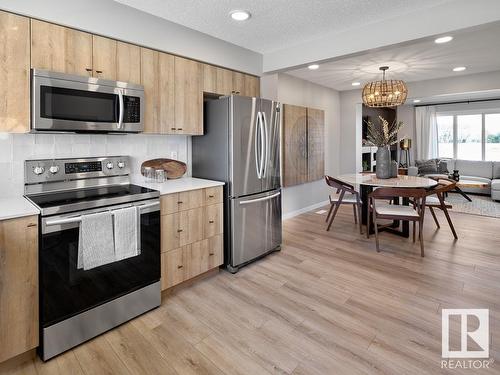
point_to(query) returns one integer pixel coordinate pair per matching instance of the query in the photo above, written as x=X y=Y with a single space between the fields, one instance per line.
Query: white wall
x=109 y=18
x=443 y=89
x=15 y=148
x=291 y=90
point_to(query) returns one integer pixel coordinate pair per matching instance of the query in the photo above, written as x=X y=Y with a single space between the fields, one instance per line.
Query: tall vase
x=383 y=162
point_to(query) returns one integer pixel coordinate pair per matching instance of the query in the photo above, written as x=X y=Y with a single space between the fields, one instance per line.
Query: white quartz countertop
x=177 y=185
x=10 y=208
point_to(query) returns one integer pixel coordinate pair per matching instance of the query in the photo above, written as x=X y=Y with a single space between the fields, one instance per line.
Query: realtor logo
x=480 y=336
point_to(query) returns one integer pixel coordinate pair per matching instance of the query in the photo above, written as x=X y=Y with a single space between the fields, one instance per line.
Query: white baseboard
x=289 y=215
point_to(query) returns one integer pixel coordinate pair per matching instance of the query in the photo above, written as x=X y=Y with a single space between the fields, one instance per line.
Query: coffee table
x=469 y=184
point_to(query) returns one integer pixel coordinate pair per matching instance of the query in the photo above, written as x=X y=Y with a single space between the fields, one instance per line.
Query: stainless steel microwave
x=72 y=103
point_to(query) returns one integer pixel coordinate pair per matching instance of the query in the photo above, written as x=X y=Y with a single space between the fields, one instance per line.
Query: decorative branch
x=383 y=134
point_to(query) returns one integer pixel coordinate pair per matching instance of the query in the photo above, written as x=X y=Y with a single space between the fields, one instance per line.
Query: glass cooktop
x=72 y=200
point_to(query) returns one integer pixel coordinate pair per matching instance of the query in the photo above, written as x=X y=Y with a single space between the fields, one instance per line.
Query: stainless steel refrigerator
x=241 y=146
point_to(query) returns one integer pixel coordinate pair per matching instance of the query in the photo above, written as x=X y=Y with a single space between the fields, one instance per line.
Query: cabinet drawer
x=173 y=267
x=186 y=200
x=212 y=195
x=204 y=255
x=213 y=221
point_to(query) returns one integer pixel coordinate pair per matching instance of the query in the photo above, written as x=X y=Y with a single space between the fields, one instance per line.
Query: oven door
x=66 y=291
x=80 y=104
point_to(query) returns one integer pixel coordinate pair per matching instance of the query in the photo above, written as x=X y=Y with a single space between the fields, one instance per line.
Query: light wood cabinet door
x=246 y=85
x=224 y=81
x=157 y=77
x=188 y=97
x=18 y=286
x=15 y=73
x=215 y=251
x=174 y=267
x=170 y=232
x=150 y=67
x=169 y=203
x=191 y=226
x=213 y=217
x=210 y=79
x=294 y=145
x=128 y=63
x=60 y=49
x=213 y=195
x=315 y=144
x=204 y=255
x=104 y=57
x=166 y=102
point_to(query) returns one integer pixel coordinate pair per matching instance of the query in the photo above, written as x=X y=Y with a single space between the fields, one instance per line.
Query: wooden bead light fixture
x=385 y=93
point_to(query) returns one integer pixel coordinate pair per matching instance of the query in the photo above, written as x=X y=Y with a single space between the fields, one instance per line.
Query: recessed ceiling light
x=459 y=69
x=416 y=100
x=356 y=83
x=443 y=39
x=313 y=66
x=240 y=15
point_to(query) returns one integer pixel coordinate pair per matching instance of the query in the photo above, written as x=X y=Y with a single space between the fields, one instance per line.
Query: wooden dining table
x=368 y=181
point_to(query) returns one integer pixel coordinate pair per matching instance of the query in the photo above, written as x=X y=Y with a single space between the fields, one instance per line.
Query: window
x=473 y=136
x=492 y=129
x=469 y=131
x=445 y=136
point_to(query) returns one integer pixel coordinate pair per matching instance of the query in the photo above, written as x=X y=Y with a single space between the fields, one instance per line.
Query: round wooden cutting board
x=173 y=168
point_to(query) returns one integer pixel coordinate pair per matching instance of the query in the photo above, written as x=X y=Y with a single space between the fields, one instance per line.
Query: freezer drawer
x=255 y=226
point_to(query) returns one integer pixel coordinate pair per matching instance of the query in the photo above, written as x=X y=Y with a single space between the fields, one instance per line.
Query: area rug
x=480 y=205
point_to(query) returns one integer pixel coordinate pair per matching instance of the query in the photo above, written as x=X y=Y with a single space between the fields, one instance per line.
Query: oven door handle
x=77 y=219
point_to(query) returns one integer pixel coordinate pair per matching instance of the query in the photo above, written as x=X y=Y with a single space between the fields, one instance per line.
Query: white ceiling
x=476 y=49
x=277 y=24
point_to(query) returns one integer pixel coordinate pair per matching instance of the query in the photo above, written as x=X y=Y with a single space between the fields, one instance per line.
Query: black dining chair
x=345 y=194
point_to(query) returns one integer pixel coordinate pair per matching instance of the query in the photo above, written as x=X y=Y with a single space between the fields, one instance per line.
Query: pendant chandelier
x=390 y=93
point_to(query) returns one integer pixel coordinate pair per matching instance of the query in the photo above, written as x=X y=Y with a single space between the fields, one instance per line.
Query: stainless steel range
x=77 y=304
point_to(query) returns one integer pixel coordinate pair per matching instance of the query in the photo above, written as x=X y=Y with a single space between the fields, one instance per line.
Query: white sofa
x=484 y=171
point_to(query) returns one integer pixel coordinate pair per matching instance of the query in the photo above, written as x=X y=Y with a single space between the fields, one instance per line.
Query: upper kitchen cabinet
x=103 y=57
x=60 y=49
x=128 y=63
x=157 y=77
x=217 y=80
x=188 y=79
x=246 y=85
x=14 y=73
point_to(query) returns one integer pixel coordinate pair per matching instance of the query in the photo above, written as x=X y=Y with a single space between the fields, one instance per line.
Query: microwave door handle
x=120 y=114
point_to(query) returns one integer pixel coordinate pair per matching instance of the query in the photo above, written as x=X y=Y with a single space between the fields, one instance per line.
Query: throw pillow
x=426 y=166
x=442 y=167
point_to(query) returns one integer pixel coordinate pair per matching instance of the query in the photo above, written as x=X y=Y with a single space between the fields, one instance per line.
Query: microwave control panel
x=132 y=112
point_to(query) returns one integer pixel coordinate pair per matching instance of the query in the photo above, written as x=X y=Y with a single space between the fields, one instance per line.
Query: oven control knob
x=54 y=169
x=121 y=164
x=109 y=165
x=38 y=170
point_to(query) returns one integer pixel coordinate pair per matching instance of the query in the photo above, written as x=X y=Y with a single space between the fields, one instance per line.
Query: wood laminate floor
x=326 y=304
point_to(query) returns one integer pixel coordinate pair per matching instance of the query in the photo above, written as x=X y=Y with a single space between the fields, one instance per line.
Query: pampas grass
x=383 y=134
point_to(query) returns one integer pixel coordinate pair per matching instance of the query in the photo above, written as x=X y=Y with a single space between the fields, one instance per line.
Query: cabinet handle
x=210 y=254
x=179 y=267
x=179 y=230
x=211 y=221
x=31 y=225
x=179 y=128
x=172 y=128
x=180 y=202
x=89 y=71
x=211 y=196
x=98 y=71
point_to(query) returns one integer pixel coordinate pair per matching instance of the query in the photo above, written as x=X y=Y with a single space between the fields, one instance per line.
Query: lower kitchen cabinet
x=191 y=239
x=18 y=286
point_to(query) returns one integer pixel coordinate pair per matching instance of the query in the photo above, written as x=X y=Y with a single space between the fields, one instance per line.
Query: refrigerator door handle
x=262 y=144
x=266 y=136
x=258 y=130
x=261 y=199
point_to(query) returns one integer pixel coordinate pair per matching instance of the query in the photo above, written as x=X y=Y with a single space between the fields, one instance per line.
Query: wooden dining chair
x=436 y=199
x=345 y=194
x=379 y=209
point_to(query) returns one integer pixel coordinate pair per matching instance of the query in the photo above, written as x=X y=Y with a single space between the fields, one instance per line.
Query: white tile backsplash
x=16 y=148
